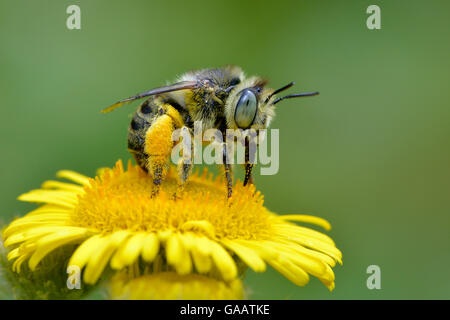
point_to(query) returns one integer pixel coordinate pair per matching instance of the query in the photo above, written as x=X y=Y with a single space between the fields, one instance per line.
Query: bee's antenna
x=296 y=95
x=279 y=90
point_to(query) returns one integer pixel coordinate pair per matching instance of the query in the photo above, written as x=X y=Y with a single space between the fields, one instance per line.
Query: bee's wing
x=183 y=85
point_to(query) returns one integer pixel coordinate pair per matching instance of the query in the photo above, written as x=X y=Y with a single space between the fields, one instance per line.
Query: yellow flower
x=172 y=286
x=116 y=222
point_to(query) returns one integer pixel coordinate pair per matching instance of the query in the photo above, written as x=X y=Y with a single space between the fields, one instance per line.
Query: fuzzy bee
x=220 y=98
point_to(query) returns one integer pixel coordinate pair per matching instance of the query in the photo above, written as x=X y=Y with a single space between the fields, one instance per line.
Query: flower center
x=121 y=200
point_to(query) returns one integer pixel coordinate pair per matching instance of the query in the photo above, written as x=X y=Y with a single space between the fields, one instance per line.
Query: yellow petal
x=48 y=208
x=23 y=224
x=185 y=266
x=329 y=285
x=202 y=244
x=310 y=265
x=35 y=233
x=287 y=230
x=100 y=257
x=247 y=255
x=84 y=251
x=27 y=248
x=18 y=263
x=202 y=262
x=177 y=255
x=74 y=176
x=200 y=256
x=263 y=251
x=223 y=261
x=52 y=241
x=318 y=245
x=201 y=225
x=61 y=198
x=128 y=252
x=50 y=184
x=308 y=219
x=150 y=247
x=294 y=273
x=173 y=250
x=312 y=253
x=13 y=254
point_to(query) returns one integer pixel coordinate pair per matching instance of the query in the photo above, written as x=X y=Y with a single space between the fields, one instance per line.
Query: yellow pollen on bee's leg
x=158 y=147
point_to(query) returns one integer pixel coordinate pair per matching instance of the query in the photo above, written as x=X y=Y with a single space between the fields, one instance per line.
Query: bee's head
x=251 y=105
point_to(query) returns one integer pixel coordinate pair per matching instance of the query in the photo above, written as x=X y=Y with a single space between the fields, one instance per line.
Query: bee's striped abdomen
x=142 y=120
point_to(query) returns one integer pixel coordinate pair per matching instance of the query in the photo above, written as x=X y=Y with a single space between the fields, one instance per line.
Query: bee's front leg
x=248 y=174
x=250 y=152
x=186 y=161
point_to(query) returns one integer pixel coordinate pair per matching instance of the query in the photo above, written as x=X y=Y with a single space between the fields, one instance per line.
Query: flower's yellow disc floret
x=117 y=223
x=119 y=200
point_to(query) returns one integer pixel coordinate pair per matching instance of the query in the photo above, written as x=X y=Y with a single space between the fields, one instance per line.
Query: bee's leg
x=186 y=162
x=248 y=174
x=158 y=147
x=249 y=163
x=228 y=172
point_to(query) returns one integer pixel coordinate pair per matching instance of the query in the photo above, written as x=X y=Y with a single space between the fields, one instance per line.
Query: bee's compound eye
x=246 y=109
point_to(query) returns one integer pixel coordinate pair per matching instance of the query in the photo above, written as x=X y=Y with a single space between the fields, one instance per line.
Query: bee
x=222 y=98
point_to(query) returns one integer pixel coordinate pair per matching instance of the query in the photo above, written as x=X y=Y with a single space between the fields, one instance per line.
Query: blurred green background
x=370 y=154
